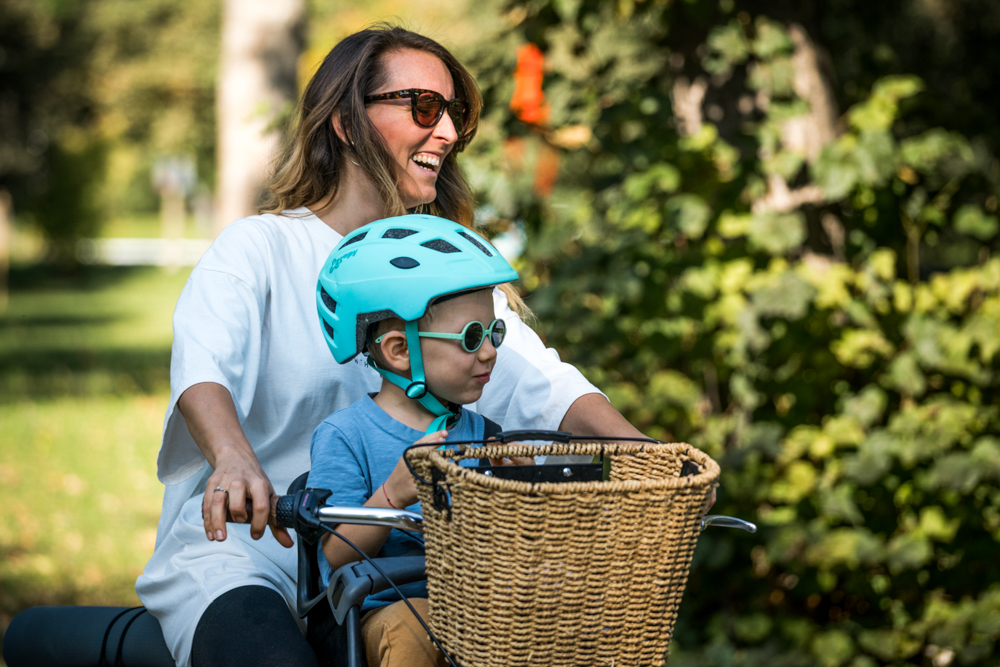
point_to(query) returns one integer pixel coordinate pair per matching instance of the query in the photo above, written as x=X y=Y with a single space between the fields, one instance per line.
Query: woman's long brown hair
x=309 y=169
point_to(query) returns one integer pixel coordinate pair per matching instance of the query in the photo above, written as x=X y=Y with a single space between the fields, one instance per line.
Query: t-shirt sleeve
x=335 y=464
x=531 y=388
x=218 y=325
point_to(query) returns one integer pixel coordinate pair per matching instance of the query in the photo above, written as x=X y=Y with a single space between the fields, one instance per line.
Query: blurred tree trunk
x=261 y=43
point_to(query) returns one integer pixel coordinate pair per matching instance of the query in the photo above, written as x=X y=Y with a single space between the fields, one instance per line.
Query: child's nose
x=486 y=351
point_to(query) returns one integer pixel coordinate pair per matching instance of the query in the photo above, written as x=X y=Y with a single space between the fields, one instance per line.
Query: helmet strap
x=416 y=387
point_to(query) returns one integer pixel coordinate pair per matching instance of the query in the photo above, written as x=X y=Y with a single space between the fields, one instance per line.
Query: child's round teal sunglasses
x=472 y=336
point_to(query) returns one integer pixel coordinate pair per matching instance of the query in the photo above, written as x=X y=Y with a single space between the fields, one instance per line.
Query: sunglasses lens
x=459 y=113
x=498 y=333
x=474 y=335
x=427 y=107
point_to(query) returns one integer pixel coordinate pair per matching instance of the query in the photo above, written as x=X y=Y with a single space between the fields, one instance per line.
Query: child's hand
x=432 y=438
x=401 y=488
x=514 y=461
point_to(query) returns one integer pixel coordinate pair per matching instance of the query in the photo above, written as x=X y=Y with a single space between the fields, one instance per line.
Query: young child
x=415 y=293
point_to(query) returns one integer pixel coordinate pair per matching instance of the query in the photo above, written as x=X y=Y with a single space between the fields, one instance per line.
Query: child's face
x=452 y=373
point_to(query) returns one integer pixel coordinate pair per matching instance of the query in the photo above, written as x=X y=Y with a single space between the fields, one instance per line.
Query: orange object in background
x=529 y=105
x=528 y=102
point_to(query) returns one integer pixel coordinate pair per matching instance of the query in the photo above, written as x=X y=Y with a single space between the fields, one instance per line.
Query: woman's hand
x=401 y=487
x=249 y=498
x=246 y=493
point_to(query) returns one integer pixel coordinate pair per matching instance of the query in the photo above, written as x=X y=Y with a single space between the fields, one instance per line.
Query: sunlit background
x=765 y=228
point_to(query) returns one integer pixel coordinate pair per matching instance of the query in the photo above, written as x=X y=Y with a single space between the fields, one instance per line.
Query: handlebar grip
x=284 y=511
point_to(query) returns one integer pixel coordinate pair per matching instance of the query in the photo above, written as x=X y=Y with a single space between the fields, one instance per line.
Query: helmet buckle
x=416 y=390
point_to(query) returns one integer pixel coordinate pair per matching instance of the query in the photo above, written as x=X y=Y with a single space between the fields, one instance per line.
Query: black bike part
x=309 y=529
x=335 y=645
x=352 y=583
x=508 y=436
x=75 y=636
x=490 y=430
x=250 y=626
x=549 y=473
x=284 y=512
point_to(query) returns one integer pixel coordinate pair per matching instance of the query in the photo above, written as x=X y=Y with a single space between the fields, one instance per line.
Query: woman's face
x=420 y=151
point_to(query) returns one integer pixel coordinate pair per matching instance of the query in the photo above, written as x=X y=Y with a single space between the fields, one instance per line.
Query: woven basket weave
x=561 y=574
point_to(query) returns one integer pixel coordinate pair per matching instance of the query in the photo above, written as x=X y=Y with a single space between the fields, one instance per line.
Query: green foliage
x=839 y=358
x=94 y=92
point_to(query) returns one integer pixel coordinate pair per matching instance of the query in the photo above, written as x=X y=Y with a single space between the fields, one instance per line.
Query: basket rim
x=706 y=478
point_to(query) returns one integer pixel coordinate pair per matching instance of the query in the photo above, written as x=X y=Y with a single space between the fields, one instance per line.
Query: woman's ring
x=219 y=488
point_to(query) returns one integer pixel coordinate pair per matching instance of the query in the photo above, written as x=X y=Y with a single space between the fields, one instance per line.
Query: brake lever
x=727 y=522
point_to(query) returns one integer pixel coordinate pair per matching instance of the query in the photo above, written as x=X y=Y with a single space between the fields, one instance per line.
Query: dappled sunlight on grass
x=84 y=382
x=81 y=499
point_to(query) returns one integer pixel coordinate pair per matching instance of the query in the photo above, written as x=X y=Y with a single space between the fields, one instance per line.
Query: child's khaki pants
x=394 y=638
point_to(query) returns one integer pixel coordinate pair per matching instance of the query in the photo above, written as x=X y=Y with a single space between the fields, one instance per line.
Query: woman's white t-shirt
x=247 y=320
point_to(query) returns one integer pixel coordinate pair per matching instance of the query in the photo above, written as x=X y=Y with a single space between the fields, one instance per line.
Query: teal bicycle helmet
x=395 y=268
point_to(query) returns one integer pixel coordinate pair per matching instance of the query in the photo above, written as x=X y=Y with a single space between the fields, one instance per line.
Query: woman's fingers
x=261 y=492
x=237 y=501
x=218 y=503
x=237 y=491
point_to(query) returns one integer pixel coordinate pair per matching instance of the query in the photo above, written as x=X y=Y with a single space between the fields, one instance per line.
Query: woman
x=377 y=133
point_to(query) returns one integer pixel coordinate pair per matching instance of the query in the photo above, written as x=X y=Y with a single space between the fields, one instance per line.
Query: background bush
x=825 y=325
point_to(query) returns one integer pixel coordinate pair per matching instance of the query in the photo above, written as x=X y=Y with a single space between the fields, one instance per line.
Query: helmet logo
x=335 y=263
x=404 y=263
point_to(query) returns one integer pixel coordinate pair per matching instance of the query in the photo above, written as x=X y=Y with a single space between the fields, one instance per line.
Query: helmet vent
x=476 y=243
x=404 y=263
x=329 y=329
x=398 y=233
x=328 y=301
x=355 y=239
x=440 y=245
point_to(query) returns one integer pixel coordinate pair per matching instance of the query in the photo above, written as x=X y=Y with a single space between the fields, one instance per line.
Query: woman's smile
x=419 y=151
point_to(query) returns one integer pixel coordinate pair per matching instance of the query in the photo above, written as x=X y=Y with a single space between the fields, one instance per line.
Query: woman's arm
x=592 y=414
x=211 y=418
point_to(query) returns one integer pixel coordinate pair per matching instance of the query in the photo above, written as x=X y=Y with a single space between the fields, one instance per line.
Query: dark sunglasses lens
x=499 y=331
x=427 y=107
x=459 y=112
x=473 y=337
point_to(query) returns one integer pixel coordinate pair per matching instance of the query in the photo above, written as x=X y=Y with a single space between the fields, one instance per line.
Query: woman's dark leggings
x=247 y=627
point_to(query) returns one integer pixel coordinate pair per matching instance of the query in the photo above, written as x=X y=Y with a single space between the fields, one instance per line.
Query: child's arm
x=399 y=491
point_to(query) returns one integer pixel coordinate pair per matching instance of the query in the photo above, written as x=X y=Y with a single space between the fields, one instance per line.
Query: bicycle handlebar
x=284 y=514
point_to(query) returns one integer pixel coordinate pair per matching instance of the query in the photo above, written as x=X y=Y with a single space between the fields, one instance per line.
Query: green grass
x=147 y=225
x=101 y=331
x=84 y=382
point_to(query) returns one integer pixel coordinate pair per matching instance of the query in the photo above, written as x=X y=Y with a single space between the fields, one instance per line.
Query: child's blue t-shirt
x=353 y=452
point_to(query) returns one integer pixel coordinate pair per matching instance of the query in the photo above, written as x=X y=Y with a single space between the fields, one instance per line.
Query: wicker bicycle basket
x=561 y=574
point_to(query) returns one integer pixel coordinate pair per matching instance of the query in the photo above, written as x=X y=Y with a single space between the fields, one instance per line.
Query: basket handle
x=555 y=436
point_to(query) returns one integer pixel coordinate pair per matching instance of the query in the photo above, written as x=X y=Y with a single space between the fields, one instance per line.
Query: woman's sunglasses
x=474 y=334
x=427 y=107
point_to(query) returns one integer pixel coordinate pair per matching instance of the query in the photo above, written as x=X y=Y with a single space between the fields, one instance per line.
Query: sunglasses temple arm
x=428 y=334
